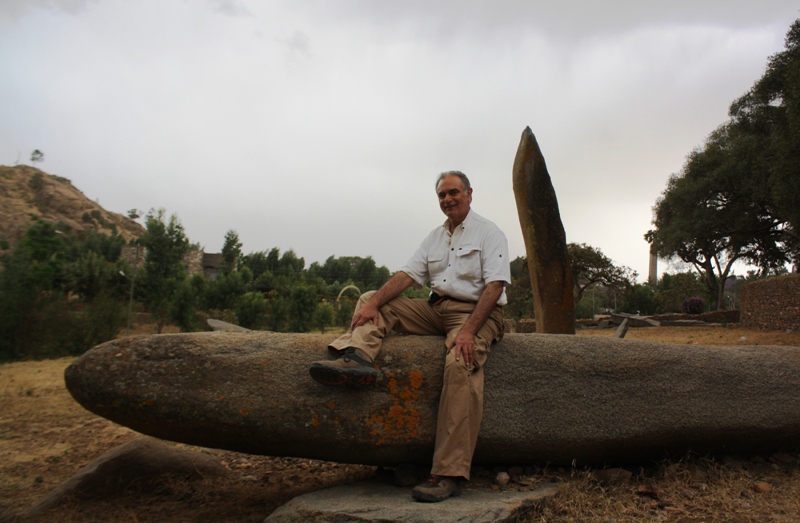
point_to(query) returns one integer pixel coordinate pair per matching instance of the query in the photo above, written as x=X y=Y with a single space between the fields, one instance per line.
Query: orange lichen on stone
x=399 y=423
x=416 y=378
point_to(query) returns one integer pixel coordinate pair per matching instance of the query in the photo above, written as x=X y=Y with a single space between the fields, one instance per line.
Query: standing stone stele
x=545 y=240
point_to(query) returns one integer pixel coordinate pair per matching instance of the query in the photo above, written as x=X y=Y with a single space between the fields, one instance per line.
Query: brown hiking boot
x=437 y=488
x=352 y=366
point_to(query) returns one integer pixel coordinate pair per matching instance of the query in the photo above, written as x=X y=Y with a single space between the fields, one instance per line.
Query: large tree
x=770 y=113
x=736 y=198
x=717 y=211
x=591 y=267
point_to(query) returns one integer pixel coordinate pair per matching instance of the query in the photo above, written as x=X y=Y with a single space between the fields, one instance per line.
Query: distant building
x=195 y=261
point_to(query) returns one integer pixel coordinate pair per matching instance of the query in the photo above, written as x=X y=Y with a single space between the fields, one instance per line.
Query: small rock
x=526 y=481
x=647 y=490
x=762 y=487
x=502 y=479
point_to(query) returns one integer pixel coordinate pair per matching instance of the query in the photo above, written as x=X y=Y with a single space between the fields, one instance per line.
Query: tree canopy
x=735 y=198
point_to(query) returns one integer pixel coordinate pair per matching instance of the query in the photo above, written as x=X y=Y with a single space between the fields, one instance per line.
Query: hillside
x=26 y=192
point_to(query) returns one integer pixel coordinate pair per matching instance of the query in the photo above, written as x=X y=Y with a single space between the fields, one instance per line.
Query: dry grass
x=45 y=437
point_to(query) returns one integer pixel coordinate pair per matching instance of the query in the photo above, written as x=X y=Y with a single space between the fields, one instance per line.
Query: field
x=45 y=437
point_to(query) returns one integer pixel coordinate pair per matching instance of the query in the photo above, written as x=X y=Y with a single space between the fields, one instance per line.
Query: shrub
x=694 y=305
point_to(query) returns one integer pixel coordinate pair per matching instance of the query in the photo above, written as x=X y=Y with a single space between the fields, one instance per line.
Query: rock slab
x=549 y=398
x=545 y=239
x=139 y=460
x=375 y=502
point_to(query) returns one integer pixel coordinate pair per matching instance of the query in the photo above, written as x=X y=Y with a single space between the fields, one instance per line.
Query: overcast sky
x=320 y=126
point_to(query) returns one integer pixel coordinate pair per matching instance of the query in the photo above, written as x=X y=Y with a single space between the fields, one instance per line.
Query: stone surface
x=545 y=240
x=622 y=329
x=374 y=502
x=634 y=320
x=219 y=325
x=549 y=398
x=120 y=467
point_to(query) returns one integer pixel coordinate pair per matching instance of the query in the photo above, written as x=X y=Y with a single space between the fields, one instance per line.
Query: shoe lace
x=434 y=479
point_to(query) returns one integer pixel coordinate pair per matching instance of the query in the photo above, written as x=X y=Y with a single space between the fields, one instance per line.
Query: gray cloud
x=231 y=7
x=17 y=8
x=307 y=121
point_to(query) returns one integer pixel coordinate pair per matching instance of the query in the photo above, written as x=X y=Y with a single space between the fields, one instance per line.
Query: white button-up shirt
x=462 y=263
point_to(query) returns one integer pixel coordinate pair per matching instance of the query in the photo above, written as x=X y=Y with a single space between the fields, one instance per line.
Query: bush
x=694 y=305
x=251 y=309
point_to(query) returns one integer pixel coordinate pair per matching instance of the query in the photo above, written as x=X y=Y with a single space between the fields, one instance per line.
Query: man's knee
x=364 y=298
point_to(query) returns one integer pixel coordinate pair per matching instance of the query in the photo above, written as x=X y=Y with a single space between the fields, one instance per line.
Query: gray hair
x=464 y=179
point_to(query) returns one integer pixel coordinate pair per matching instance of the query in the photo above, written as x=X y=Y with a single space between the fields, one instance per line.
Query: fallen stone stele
x=549 y=398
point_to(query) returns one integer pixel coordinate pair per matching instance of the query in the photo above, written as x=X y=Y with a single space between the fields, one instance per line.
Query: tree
x=37 y=156
x=715 y=212
x=231 y=252
x=770 y=113
x=520 y=293
x=590 y=267
x=674 y=289
x=304 y=303
x=250 y=310
x=736 y=197
x=166 y=245
x=639 y=299
x=323 y=315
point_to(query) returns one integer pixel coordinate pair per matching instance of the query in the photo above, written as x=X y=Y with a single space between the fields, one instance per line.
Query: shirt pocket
x=469 y=264
x=437 y=264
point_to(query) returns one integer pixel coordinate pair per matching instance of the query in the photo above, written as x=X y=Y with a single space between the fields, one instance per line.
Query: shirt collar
x=462 y=225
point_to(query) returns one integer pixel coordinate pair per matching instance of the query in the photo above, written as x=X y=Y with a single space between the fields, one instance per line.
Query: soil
x=45 y=438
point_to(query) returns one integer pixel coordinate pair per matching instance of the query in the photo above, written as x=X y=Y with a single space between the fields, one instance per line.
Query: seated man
x=466 y=262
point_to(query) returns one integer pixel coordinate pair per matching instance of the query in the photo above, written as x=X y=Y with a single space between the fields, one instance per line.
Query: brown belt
x=435 y=299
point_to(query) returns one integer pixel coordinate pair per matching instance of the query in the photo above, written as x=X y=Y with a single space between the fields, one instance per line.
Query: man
x=466 y=262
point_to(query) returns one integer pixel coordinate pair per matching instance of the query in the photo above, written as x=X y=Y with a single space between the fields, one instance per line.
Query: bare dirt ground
x=45 y=438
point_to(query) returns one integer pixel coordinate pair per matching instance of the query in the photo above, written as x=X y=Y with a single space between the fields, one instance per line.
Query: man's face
x=453 y=200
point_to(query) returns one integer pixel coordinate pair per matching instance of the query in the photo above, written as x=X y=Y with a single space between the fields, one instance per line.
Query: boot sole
x=332 y=376
x=432 y=498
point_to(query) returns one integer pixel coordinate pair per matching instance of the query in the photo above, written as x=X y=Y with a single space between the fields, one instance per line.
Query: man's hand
x=391 y=289
x=464 y=342
x=464 y=345
x=368 y=312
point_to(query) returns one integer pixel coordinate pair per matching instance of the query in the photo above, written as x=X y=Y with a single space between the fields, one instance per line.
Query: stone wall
x=772 y=303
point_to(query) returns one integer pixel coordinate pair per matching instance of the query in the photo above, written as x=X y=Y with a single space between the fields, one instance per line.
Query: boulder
x=374 y=502
x=549 y=398
x=139 y=461
x=545 y=240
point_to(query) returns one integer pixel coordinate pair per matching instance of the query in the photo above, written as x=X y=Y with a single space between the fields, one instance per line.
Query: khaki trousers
x=461 y=402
